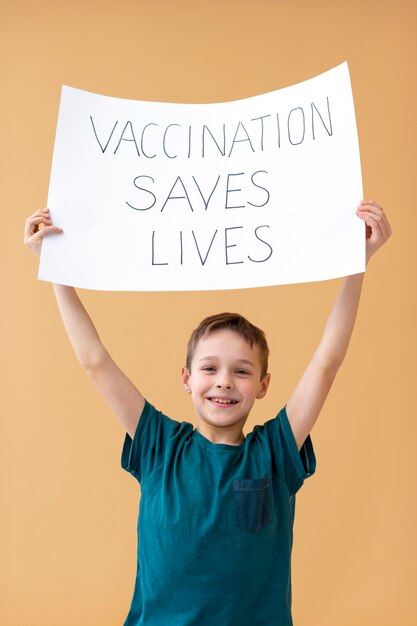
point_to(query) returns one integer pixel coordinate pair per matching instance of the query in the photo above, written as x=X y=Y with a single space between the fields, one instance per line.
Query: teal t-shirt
x=215 y=526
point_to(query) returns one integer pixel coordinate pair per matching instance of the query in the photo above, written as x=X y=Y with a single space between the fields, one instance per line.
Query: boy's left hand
x=378 y=230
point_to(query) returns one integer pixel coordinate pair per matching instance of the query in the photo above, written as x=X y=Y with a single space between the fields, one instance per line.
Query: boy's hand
x=38 y=226
x=378 y=229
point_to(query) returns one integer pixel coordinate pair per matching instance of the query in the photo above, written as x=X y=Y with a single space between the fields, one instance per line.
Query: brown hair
x=230 y=321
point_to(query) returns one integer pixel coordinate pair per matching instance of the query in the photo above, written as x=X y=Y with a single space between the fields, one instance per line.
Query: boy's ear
x=264 y=386
x=185 y=374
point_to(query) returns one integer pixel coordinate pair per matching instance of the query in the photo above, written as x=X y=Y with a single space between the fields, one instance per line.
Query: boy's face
x=224 y=381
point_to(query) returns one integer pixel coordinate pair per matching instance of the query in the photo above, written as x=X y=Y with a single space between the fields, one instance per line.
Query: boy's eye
x=242 y=372
x=209 y=368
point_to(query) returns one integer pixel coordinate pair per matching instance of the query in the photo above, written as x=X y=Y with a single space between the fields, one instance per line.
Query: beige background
x=68 y=512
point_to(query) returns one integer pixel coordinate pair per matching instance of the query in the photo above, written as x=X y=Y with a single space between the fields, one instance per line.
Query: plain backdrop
x=68 y=512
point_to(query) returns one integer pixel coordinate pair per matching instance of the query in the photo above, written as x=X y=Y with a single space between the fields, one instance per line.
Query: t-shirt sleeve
x=155 y=438
x=292 y=465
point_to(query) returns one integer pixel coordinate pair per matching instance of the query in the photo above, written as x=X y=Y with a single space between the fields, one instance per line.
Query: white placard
x=156 y=196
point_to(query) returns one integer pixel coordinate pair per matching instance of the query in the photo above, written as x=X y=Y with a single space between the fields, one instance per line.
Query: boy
x=217 y=509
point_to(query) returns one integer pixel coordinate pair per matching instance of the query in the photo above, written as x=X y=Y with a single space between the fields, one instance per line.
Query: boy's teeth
x=223 y=401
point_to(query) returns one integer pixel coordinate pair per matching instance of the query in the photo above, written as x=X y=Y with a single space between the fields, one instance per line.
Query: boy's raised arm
x=308 y=397
x=120 y=393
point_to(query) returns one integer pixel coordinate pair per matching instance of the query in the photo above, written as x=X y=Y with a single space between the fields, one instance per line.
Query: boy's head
x=252 y=335
x=225 y=372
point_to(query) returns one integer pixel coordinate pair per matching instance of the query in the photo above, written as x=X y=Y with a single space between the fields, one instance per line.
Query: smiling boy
x=226 y=371
x=217 y=508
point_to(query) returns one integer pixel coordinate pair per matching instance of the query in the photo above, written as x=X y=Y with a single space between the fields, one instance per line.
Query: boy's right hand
x=34 y=232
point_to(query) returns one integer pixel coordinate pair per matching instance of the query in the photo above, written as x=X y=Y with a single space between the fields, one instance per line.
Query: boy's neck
x=232 y=436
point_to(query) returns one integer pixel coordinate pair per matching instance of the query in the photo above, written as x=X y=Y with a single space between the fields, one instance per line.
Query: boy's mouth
x=217 y=400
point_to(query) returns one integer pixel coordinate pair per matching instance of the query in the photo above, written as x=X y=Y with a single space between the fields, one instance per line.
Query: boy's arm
x=120 y=393
x=307 y=399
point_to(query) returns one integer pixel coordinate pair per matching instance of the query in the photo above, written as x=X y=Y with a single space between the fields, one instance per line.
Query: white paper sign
x=158 y=196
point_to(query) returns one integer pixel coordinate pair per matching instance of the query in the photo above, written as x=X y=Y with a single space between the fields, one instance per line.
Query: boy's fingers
x=34 y=221
x=39 y=213
x=378 y=212
x=32 y=227
x=38 y=226
x=371 y=203
x=36 y=217
x=372 y=207
x=377 y=225
x=47 y=230
x=379 y=229
x=377 y=215
x=37 y=237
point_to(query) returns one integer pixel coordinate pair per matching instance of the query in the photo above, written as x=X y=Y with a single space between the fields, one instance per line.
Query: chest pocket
x=252 y=503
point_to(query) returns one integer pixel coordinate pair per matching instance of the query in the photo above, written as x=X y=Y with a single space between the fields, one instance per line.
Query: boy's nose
x=224 y=384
